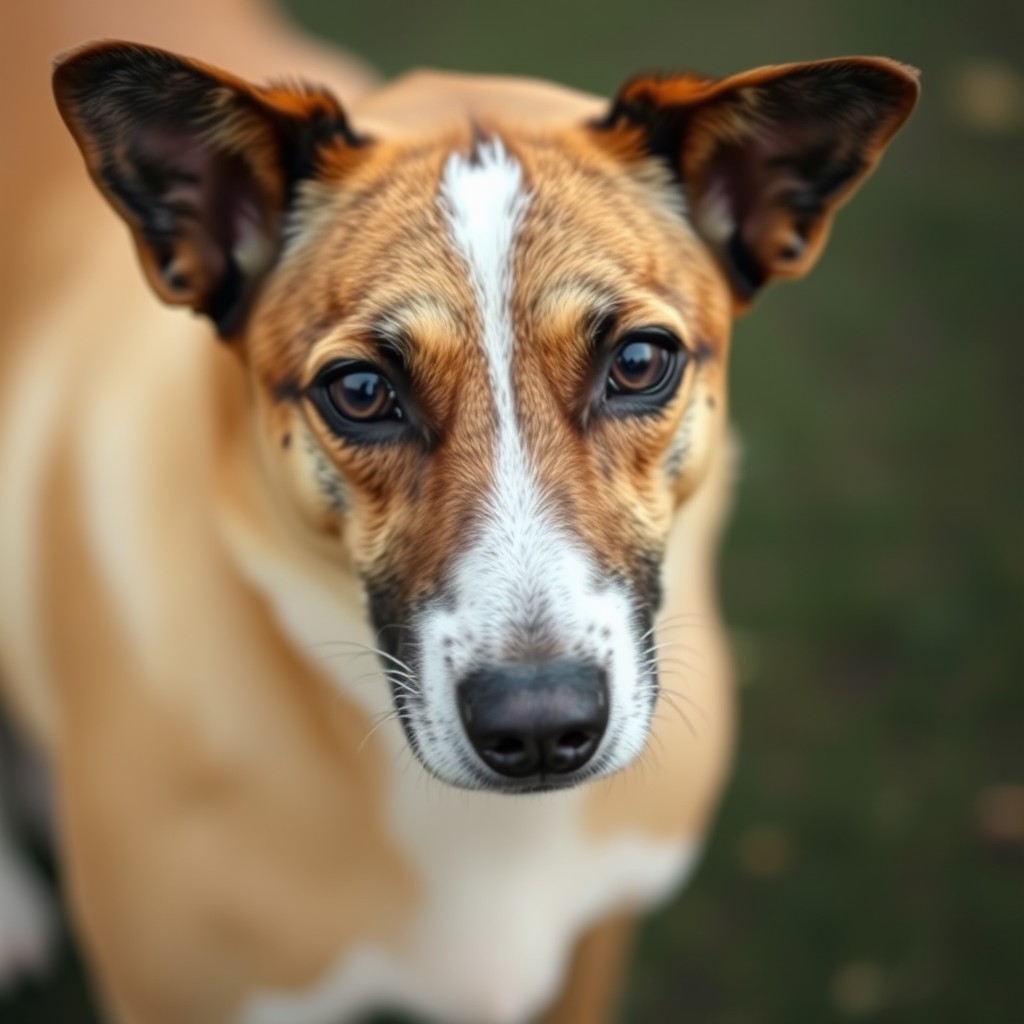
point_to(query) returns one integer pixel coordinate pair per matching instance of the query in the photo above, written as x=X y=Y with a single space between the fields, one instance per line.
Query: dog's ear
x=766 y=157
x=200 y=164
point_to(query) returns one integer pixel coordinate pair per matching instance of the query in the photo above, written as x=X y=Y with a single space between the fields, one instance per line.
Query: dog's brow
x=393 y=327
x=596 y=306
x=588 y=302
x=398 y=325
x=586 y=291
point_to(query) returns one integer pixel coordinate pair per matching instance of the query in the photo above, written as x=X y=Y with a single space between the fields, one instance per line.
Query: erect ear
x=200 y=164
x=766 y=157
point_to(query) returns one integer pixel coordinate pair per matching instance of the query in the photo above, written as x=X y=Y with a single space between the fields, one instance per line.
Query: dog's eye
x=637 y=366
x=357 y=400
x=645 y=364
x=363 y=395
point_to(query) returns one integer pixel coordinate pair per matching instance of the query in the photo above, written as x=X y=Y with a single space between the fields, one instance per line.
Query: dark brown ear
x=200 y=164
x=766 y=157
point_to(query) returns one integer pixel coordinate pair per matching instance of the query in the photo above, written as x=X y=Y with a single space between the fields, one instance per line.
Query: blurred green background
x=868 y=862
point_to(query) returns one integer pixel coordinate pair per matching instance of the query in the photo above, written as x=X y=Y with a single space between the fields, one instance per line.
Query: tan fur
x=223 y=807
x=596 y=976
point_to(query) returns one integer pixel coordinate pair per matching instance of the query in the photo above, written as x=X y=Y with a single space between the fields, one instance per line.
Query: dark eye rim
x=369 y=431
x=651 y=400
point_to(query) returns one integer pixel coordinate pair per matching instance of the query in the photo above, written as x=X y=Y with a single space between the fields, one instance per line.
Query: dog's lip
x=540 y=785
x=545 y=782
x=479 y=779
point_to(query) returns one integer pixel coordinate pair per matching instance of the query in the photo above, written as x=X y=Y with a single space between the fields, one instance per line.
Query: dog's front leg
x=593 y=984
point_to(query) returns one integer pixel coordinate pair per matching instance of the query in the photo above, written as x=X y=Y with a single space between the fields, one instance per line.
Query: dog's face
x=487 y=364
x=506 y=375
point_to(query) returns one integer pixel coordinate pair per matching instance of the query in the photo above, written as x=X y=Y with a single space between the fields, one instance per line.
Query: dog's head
x=487 y=358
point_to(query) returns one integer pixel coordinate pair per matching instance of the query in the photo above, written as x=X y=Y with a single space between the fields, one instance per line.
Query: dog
x=366 y=620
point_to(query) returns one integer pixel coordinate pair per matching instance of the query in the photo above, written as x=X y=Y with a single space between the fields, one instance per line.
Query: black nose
x=532 y=718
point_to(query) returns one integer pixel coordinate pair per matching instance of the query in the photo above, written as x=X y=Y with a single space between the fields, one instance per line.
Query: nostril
x=510 y=755
x=573 y=741
x=507 y=746
x=570 y=750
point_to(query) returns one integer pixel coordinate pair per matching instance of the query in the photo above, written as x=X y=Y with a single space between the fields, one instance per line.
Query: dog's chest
x=506 y=887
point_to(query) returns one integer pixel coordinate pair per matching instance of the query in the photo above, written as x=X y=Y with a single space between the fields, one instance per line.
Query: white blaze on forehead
x=484 y=200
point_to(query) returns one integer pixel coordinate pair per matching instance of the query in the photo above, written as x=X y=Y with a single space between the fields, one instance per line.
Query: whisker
x=689 y=649
x=365 y=648
x=356 y=655
x=405 y=688
x=682 y=621
x=660 y=646
x=406 y=682
x=664 y=665
x=682 y=714
x=386 y=717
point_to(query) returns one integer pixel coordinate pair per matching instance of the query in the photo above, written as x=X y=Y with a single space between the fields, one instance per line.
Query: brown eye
x=646 y=364
x=363 y=395
x=358 y=403
x=638 y=366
